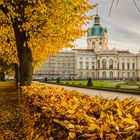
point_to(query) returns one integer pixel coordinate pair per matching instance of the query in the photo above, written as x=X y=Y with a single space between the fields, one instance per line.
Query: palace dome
x=96 y=29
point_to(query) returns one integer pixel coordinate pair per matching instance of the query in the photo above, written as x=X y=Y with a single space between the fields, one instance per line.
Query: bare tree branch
x=117 y=2
x=136 y=5
x=112 y=3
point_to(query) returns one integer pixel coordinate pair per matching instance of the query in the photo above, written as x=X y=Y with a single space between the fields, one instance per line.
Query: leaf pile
x=58 y=114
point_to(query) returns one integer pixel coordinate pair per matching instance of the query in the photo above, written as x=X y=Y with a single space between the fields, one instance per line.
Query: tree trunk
x=26 y=69
x=17 y=75
x=24 y=56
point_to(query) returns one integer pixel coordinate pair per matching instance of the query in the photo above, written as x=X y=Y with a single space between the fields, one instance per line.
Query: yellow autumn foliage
x=56 y=113
x=49 y=26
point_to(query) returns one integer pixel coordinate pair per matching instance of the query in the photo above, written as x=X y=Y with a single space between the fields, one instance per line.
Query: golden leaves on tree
x=49 y=26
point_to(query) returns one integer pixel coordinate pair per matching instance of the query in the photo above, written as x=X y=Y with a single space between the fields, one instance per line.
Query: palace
x=96 y=61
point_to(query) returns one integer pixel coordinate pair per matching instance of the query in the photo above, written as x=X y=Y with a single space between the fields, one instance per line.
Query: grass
x=98 y=83
x=111 y=84
x=7 y=86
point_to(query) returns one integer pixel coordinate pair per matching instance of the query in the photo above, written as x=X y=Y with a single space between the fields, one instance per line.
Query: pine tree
x=89 y=83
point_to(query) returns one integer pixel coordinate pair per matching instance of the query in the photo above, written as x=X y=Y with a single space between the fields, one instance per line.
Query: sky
x=123 y=24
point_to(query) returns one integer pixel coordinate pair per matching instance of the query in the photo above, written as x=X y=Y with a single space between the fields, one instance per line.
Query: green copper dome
x=96 y=29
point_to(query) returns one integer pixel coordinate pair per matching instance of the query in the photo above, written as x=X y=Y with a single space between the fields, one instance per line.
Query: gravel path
x=92 y=92
x=10 y=118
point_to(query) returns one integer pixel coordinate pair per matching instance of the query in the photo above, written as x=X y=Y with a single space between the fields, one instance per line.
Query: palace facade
x=96 y=61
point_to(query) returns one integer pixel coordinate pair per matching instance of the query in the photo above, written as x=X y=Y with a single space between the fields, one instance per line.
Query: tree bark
x=17 y=75
x=24 y=56
x=26 y=70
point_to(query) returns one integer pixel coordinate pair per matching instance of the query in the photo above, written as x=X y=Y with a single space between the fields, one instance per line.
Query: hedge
x=56 y=114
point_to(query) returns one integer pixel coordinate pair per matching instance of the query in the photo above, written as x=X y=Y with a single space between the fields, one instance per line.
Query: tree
x=58 y=80
x=89 y=83
x=5 y=68
x=32 y=30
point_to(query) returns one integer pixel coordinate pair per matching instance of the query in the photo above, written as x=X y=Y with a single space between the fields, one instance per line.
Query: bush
x=132 y=83
x=80 y=84
x=54 y=113
x=58 y=80
x=2 y=77
x=73 y=83
x=89 y=83
x=102 y=85
x=46 y=79
x=67 y=83
x=118 y=86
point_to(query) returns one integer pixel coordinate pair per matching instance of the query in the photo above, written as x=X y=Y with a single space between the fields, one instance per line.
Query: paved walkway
x=92 y=92
x=10 y=118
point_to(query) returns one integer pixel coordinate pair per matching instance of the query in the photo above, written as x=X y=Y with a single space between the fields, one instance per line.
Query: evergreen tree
x=89 y=83
x=58 y=80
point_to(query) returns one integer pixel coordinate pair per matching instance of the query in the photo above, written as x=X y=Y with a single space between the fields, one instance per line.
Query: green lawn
x=102 y=83
x=105 y=83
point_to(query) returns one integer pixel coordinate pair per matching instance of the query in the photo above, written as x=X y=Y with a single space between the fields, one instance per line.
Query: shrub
x=89 y=83
x=58 y=80
x=134 y=83
x=2 y=77
x=73 y=83
x=102 y=85
x=46 y=79
x=118 y=86
x=67 y=83
x=80 y=84
x=54 y=113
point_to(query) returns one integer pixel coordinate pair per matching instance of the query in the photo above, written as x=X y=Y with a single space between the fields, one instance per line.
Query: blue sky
x=123 y=24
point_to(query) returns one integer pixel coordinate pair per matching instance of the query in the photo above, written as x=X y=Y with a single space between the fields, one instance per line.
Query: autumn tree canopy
x=31 y=30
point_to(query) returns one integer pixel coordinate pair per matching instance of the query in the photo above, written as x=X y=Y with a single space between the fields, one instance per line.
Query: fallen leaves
x=10 y=118
x=68 y=115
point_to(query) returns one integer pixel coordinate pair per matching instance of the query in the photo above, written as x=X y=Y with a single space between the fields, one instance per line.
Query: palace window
x=128 y=66
x=133 y=66
x=87 y=75
x=92 y=65
x=104 y=74
x=92 y=75
x=87 y=65
x=81 y=65
x=118 y=74
x=98 y=74
x=128 y=75
x=98 y=64
x=104 y=64
x=118 y=66
x=111 y=75
x=111 y=64
x=123 y=66
x=123 y=75
x=133 y=74
x=81 y=75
